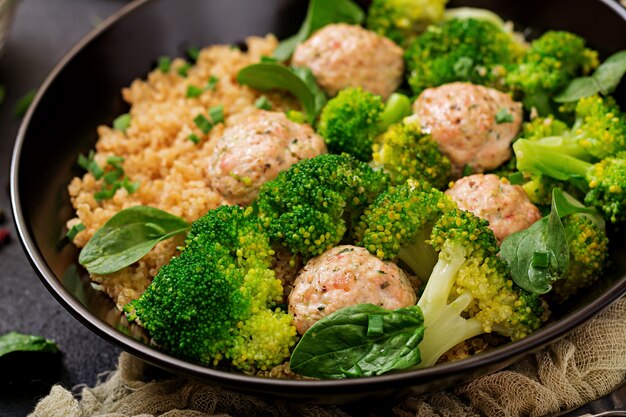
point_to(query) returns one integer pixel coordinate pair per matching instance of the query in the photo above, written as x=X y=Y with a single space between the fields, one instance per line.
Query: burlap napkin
x=589 y=363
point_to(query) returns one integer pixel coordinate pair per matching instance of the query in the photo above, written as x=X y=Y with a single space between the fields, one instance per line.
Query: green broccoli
x=402 y=20
x=398 y=224
x=472 y=50
x=470 y=291
x=404 y=152
x=588 y=249
x=350 y=121
x=217 y=299
x=550 y=63
x=309 y=207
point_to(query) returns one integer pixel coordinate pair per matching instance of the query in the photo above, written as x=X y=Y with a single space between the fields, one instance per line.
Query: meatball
x=341 y=55
x=474 y=125
x=505 y=206
x=345 y=276
x=255 y=150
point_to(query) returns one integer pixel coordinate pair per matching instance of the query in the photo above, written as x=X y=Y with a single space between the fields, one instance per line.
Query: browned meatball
x=463 y=119
x=341 y=55
x=505 y=206
x=254 y=151
x=345 y=276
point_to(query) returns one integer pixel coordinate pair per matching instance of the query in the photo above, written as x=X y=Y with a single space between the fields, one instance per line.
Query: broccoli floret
x=350 y=121
x=470 y=291
x=473 y=50
x=550 y=63
x=543 y=127
x=309 y=207
x=604 y=182
x=218 y=298
x=398 y=223
x=402 y=20
x=404 y=152
x=588 y=249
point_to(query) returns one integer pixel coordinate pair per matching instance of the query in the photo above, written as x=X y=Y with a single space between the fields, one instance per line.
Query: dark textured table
x=43 y=31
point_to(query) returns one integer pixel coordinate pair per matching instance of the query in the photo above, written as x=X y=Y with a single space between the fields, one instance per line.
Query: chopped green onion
x=540 y=260
x=165 y=64
x=193 y=53
x=112 y=176
x=216 y=113
x=375 y=324
x=84 y=161
x=203 y=123
x=183 y=70
x=467 y=170
x=122 y=122
x=193 y=91
x=71 y=234
x=516 y=178
x=24 y=103
x=503 y=116
x=212 y=83
x=263 y=103
x=131 y=187
x=107 y=193
x=194 y=138
x=266 y=58
x=95 y=170
x=295 y=116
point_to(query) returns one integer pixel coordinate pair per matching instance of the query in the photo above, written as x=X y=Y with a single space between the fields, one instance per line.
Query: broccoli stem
x=536 y=158
x=397 y=108
x=420 y=256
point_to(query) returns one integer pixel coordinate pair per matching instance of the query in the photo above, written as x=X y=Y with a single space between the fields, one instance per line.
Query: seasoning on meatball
x=505 y=206
x=341 y=55
x=345 y=276
x=255 y=150
x=474 y=125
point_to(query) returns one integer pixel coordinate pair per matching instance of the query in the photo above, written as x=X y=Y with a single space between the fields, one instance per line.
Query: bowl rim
x=515 y=350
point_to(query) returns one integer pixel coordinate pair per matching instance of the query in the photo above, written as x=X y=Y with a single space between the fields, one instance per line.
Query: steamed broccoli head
x=398 y=223
x=543 y=127
x=600 y=126
x=203 y=305
x=402 y=20
x=309 y=207
x=472 y=50
x=460 y=230
x=551 y=62
x=588 y=248
x=607 y=187
x=350 y=121
x=405 y=152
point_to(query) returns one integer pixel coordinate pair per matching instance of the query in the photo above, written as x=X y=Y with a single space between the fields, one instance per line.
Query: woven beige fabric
x=589 y=363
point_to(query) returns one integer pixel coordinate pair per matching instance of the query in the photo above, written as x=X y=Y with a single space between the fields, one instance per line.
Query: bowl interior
x=84 y=92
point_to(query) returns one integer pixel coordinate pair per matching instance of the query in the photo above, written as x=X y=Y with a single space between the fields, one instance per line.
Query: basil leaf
x=544 y=236
x=127 y=237
x=605 y=80
x=319 y=14
x=298 y=81
x=361 y=340
x=18 y=342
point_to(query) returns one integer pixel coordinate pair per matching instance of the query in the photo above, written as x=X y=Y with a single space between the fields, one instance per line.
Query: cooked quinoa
x=171 y=169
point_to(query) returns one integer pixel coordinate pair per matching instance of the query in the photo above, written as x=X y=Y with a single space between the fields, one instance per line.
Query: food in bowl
x=210 y=276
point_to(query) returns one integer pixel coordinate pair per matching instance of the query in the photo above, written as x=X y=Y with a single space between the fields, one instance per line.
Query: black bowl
x=83 y=91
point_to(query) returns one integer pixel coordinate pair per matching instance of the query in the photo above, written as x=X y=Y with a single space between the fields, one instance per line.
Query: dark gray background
x=42 y=32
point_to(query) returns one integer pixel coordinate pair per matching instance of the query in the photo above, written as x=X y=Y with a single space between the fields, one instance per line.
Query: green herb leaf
x=544 y=236
x=24 y=103
x=71 y=234
x=503 y=116
x=361 y=340
x=18 y=342
x=298 y=81
x=127 y=237
x=122 y=122
x=263 y=103
x=319 y=14
x=165 y=64
x=604 y=80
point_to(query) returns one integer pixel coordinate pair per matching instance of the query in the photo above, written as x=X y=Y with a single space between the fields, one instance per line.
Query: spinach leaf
x=319 y=14
x=604 y=80
x=361 y=340
x=127 y=237
x=18 y=342
x=545 y=239
x=298 y=81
